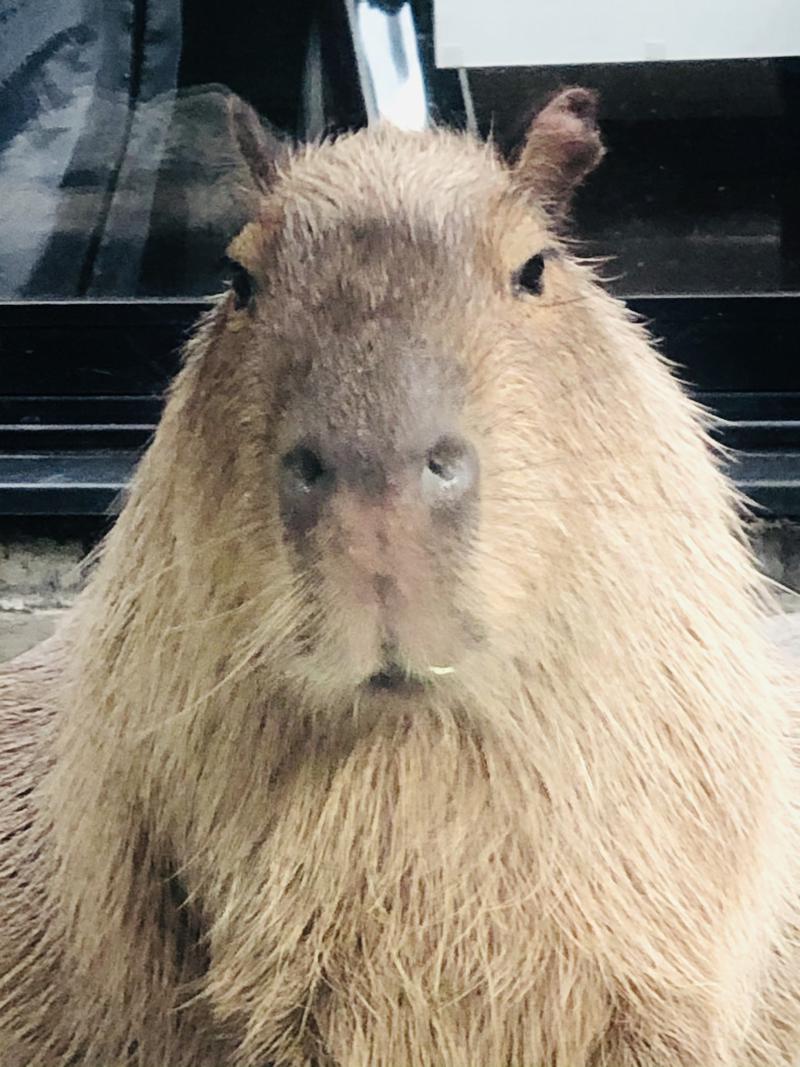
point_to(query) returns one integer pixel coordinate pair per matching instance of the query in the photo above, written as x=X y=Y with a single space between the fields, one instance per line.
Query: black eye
x=528 y=278
x=241 y=283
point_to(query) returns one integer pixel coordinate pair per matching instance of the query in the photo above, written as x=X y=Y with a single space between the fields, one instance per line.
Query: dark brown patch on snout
x=383 y=584
x=376 y=416
x=442 y=480
x=305 y=484
x=450 y=478
x=312 y=472
x=378 y=474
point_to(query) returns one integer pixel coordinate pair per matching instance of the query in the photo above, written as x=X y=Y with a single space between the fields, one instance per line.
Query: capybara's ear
x=260 y=148
x=562 y=145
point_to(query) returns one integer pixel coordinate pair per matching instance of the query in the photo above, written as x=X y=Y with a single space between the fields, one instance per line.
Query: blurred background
x=120 y=187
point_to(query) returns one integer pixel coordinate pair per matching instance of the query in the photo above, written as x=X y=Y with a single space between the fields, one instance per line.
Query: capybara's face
x=408 y=320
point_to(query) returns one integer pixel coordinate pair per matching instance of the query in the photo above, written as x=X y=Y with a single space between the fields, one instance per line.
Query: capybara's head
x=410 y=399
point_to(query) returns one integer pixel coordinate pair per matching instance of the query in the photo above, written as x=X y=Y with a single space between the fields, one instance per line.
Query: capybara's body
x=417 y=712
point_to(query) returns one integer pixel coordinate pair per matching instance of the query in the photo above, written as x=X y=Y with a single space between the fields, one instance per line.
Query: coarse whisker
x=781 y=587
x=545 y=306
x=197 y=702
x=151 y=576
x=635 y=506
x=204 y=620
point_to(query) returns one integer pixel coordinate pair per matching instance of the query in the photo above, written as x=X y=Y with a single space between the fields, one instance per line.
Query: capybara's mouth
x=393 y=679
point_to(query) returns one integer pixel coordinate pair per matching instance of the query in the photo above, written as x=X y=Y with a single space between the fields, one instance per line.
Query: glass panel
x=507 y=33
x=119 y=176
x=698 y=192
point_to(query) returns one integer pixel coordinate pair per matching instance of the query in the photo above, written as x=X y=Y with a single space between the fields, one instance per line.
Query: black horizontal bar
x=90 y=483
x=721 y=343
x=58 y=483
x=57 y=410
x=743 y=406
x=84 y=349
x=770 y=479
x=74 y=438
x=761 y=434
x=770 y=435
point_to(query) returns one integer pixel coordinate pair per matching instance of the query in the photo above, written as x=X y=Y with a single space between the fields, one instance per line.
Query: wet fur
x=577 y=850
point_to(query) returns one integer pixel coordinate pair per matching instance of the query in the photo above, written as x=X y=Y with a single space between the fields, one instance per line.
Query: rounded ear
x=259 y=146
x=562 y=145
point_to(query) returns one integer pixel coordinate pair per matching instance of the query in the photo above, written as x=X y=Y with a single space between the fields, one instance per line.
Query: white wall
x=503 y=33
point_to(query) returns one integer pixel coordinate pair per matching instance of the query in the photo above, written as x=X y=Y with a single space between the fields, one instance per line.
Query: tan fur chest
x=408 y=891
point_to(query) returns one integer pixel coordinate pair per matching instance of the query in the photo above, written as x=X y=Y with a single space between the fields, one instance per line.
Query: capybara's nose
x=441 y=477
x=449 y=472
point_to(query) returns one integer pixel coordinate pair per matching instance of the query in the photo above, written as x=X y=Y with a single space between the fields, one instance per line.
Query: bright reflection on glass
x=388 y=59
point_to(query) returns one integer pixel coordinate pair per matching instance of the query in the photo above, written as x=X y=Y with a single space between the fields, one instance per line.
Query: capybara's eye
x=241 y=284
x=528 y=279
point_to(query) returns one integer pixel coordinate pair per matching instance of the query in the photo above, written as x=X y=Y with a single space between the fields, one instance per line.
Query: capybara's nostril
x=450 y=471
x=306 y=481
x=304 y=468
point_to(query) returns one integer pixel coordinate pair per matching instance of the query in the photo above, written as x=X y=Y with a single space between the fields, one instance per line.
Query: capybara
x=418 y=711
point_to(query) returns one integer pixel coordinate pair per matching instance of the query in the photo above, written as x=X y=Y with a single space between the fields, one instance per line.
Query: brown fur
x=575 y=848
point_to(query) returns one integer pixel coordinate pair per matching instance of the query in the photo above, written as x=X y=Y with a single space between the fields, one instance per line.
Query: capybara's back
x=418 y=711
